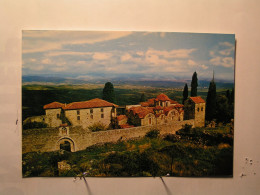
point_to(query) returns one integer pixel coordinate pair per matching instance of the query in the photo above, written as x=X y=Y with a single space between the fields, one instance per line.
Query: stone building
x=157 y=110
x=85 y=113
x=195 y=109
x=53 y=113
x=90 y=112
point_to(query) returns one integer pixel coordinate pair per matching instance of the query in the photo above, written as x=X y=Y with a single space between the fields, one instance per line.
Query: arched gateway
x=65 y=143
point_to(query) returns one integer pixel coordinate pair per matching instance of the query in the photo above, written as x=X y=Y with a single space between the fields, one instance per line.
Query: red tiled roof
x=126 y=126
x=158 y=108
x=64 y=125
x=178 y=106
x=174 y=102
x=149 y=102
x=121 y=117
x=141 y=111
x=94 y=103
x=145 y=104
x=197 y=100
x=162 y=97
x=53 y=105
x=166 y=110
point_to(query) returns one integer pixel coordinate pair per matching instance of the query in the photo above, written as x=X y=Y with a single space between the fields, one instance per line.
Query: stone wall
x=49 y=139
x=52 y=117
x=31 y=119
x=88 y=117
x=199 y=115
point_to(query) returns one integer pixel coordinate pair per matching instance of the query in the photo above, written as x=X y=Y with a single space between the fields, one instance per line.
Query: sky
x=93 y=55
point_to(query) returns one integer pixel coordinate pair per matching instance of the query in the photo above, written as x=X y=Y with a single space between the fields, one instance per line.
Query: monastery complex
x=157 y=110
x=69 y=124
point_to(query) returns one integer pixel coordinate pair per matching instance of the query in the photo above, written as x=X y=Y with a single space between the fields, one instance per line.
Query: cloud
x=102 y=56
x=227 y=44
x=126 y=57
x=68 y=53
x=223 y=55
x=36 y=68
x=46 y=61
x=178 y=53
x=192 y=63
x=40 y=41
x=204 y=67
x=59 y=69
x=227 y=62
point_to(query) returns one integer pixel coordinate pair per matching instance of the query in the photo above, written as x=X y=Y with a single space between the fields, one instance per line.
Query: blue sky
x=97 y=55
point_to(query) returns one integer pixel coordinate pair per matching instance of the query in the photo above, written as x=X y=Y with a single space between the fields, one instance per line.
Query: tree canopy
x=194 y=85
x=142 y=99
x=108 y=92
x=211 y=101
x=185 y=93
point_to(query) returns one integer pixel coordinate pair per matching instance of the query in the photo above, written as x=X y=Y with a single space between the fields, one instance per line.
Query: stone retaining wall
x=48 y=139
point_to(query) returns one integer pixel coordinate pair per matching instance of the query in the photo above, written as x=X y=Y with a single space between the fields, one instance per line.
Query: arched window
x=150 y=120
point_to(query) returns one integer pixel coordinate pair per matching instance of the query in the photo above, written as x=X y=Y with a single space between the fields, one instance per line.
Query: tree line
x=219 y=106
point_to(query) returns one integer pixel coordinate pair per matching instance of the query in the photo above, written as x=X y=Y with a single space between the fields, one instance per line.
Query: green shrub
x=97 y=127
x=34 y=125
x=153 y=133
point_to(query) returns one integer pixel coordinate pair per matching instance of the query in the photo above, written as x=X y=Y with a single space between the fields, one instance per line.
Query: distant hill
x=45 y=80
x=54 y=80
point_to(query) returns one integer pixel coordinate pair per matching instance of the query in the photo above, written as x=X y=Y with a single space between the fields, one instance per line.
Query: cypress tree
x=211 y=101
x=108 y=93
x=185 y=93
x=194 y=85
x=142 y=99
x=228 y=96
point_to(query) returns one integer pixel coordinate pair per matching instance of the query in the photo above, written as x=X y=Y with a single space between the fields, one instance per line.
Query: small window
x=201 y=108
x=91 y=116
x=78 y=118
x=150 y=121
x=91 y=111
x=102 y=115
x=58 y=115
x=102 y=110
x=78 y=112
x=198 y=109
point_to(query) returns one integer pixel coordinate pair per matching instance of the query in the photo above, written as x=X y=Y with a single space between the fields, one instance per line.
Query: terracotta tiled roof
x=174 y=102
x=145 y=104
x=197 y=100
x=158 y=108
x=53 y=105
x=162 y=97
x=148 y=103
x=166 y=110
x=94 y=103
x=64 y=125
x=141 y=111
x=151 y=101
x=124 y=126
x=178 y=106
x=121 y=117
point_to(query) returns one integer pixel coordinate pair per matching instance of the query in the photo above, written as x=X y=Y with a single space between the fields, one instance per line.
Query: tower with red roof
x=194 y=108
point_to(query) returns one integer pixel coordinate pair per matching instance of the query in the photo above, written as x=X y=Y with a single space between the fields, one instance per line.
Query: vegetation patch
x=198 y=152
